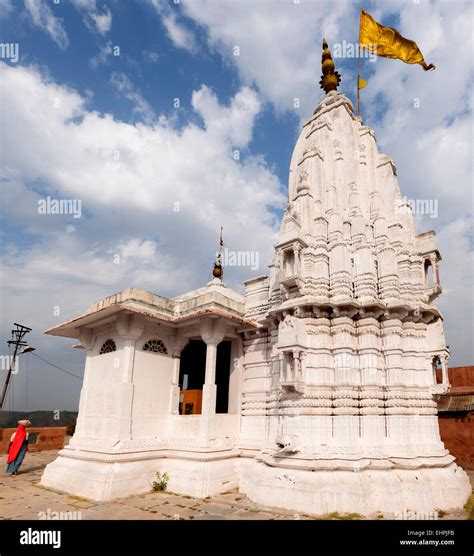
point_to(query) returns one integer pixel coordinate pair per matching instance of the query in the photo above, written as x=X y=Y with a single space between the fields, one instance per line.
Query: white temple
x=314 y=391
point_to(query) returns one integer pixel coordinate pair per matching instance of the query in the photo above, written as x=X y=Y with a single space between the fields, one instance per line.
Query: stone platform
x=23 y=498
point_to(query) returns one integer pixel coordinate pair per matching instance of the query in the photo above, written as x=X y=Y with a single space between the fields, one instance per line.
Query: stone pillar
x=281 y=359
x=212 y=333
x=87 y=341
x=80 y=429
x=436 y=273
x=179 y=343
x=297 y=252
x=174 y=405
x=444 y=370
x=235 y=376
x=210 y=389
x=435 y=270
x=296 y=365
x=130 y=328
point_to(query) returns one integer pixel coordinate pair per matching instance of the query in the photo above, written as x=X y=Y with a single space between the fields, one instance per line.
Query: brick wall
x=458 y=376
x=48 y=438
x=461 y=376
x=457 y=428
x=457 y=433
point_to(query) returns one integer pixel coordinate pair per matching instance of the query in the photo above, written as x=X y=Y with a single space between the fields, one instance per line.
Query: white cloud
x=101 y=22
x=457 y=299
x=180 y=36
x=138 y=249
x=126 y=88
x=151 y=56
x=233 y=123
x=43 y=18
x=102 y=56
x=148 y=189
x=279 y=43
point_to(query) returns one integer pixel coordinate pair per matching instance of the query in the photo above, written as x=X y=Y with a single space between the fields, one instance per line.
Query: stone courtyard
x=22 y=497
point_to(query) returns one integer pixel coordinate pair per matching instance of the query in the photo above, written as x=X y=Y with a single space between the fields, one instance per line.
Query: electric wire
x=56 y=366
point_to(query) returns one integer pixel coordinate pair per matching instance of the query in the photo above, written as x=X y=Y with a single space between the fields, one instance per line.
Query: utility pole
x=17 y=341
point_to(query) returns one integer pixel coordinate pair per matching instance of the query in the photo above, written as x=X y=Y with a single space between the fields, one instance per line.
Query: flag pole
x=358 y=68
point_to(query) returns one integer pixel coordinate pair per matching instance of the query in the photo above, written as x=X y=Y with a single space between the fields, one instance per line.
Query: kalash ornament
x=330 y=78
x=218 y=270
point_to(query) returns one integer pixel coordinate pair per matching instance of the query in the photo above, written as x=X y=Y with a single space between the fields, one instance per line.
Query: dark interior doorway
x=222 y=377
x=193 y=370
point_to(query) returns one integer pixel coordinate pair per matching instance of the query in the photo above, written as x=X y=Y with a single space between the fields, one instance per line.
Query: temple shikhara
x=315 y=390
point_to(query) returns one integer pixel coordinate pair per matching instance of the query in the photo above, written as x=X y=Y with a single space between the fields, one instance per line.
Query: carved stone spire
x=330 y=78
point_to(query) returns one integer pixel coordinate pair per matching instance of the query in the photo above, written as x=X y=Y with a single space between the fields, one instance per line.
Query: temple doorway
x=192 y=376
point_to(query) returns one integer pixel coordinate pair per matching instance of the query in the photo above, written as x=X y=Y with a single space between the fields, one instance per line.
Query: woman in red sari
x=18 y=447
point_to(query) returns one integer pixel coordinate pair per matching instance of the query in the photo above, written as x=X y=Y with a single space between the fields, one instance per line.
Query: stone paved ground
x=21 y=497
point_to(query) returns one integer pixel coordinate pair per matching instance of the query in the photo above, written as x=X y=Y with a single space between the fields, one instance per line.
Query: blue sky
x=70 y=106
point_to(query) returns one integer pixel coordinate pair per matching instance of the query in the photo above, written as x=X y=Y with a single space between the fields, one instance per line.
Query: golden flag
x=388 y=43
x=362 y=83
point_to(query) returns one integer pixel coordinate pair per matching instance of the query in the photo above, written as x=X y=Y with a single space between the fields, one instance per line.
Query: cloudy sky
x=166 y=119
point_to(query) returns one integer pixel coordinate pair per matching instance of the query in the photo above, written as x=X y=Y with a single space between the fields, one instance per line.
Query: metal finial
x=218 y=270
x=330 y=78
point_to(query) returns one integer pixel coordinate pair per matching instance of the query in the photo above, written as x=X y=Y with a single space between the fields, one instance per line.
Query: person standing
x=18 y=447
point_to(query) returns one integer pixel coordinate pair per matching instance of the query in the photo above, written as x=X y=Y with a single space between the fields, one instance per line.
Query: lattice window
x=108 y=346
x=156 y=346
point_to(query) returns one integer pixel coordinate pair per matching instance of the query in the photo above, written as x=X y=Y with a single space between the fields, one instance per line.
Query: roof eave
x=70 y=328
